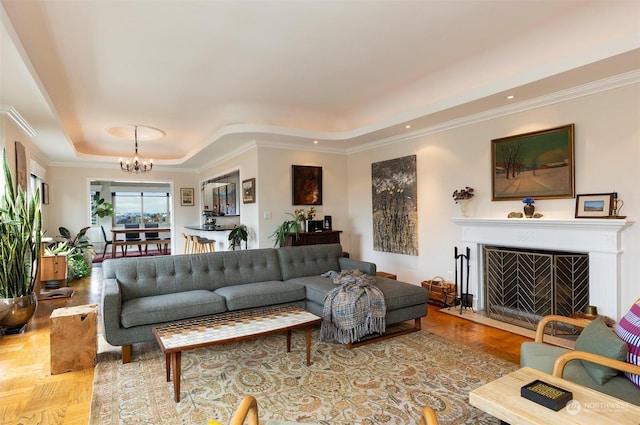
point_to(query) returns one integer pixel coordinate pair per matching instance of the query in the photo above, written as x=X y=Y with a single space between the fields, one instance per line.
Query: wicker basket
x=440 y=290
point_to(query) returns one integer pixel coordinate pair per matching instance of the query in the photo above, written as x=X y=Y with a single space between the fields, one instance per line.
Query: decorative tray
x=548 y=395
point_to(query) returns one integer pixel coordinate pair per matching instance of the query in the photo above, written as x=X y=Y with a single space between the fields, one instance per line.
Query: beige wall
x=275 y=186
x=607 y=151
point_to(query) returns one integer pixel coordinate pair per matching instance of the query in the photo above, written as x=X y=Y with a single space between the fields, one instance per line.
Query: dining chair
x=152 y=236
x=107 y=242
x=132 y=237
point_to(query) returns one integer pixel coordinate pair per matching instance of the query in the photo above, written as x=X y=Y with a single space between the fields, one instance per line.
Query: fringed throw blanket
x=354 y=309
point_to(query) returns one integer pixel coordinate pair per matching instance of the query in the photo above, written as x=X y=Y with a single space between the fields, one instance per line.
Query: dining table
x=115 y=231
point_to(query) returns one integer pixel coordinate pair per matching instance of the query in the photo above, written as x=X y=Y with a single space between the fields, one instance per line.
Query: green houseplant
x=20 y=236
x=101 y=208
x=288 y=227
x=238 y=234
x=75 y=248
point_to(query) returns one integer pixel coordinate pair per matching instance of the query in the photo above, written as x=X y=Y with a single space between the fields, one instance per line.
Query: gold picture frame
x=539 y=164
x=249 y=191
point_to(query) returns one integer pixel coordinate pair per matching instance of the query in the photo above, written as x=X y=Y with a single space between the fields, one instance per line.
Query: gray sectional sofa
x=143 y=292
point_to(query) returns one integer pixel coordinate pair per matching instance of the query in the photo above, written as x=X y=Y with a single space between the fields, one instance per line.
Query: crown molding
x=18 y=119
x=577 y=92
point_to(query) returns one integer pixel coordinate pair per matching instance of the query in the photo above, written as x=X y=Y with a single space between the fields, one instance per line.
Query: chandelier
x=136 y=164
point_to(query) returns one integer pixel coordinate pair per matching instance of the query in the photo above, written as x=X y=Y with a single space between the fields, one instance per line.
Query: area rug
x=386 y=382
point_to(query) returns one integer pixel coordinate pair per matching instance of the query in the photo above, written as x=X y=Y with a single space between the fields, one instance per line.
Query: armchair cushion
x=597 y=338
x=628 y=329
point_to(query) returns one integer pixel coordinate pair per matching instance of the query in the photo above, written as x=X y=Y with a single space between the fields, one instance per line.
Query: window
x=141 y=207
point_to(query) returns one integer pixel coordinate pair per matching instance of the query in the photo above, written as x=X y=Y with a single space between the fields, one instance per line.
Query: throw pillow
x=597 y=338
x=628 y=329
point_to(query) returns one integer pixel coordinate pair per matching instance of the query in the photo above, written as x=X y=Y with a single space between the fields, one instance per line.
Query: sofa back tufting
x=143 y=277
x=309 y=260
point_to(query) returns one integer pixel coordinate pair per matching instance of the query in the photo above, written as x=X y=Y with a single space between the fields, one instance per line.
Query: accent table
x=228 y=327
x=501 y=399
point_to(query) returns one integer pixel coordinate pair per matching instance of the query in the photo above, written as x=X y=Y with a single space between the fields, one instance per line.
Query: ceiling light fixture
x=136 y=164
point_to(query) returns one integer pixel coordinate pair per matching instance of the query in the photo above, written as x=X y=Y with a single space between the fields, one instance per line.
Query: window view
x=141 y=207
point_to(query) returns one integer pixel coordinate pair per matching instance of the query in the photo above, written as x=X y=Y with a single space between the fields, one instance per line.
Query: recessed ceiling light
x=315 y=142
x=510 y=97
x=407 y=126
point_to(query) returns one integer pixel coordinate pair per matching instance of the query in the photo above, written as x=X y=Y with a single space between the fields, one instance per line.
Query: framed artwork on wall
x=596 y=205
x=187 y=197
x=307 y=185
x=249 y=191
x=539 y=164
x=394 y=192
x=21 y=167
x=45 y=193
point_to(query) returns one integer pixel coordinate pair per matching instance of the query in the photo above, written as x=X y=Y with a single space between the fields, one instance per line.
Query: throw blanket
x=354 y=309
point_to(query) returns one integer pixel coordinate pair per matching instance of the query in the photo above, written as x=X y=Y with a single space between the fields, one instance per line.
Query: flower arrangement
x=528 y=200
x=302 y=215
x=466 y=193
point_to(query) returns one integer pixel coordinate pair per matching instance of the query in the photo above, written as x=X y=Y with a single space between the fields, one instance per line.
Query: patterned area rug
x=385 y=382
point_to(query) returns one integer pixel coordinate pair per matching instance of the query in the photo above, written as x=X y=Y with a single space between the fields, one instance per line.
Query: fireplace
x=599 y=239
x=523 y=285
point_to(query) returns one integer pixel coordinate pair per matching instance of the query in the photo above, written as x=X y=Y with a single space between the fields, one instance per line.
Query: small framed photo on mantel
x=597 y=205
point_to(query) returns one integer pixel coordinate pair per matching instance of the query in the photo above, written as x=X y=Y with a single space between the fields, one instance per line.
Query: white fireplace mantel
x=600 y=238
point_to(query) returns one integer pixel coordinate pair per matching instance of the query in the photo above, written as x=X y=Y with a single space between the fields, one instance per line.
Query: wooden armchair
x=428 y=416
x=563 y=359
x=599 y=359
x=248 y=409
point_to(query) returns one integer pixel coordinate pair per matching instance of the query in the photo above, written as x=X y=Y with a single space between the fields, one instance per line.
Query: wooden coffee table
x=229 y=327
x=501 y=399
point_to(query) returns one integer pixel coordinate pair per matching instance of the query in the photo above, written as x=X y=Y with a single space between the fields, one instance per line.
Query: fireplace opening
x=523 y=285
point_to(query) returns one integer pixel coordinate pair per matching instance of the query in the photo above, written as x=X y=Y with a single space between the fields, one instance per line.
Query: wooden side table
x=73 y=337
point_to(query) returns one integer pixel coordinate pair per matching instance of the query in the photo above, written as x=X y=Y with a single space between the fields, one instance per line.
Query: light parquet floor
x=30 y=395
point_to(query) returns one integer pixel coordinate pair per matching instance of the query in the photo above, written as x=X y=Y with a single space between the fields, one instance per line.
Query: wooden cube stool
x=73 y=336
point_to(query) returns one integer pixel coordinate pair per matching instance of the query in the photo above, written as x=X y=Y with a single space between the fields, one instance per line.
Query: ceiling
x=215 y=76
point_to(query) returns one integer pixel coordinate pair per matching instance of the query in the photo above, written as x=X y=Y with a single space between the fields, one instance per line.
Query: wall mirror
x=220 y=194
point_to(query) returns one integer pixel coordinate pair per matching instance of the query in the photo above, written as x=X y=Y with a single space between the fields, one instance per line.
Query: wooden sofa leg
x=126 y=354
x=418 y=324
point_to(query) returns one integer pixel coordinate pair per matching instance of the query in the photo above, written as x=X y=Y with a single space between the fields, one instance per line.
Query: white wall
x=607 y=154
x=70 y=206
x=247 y=163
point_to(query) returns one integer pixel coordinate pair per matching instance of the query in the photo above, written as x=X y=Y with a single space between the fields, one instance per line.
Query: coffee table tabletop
x=174 y=338
x=501 y=399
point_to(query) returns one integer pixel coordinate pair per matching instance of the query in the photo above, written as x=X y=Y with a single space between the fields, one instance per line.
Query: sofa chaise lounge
x=141 y=293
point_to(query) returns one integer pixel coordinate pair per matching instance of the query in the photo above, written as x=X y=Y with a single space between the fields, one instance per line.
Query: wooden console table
x=313 y=238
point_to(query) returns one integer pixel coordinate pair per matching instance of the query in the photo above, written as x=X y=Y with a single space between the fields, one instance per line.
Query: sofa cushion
x=156 y=309
x=308 y=260
x=541 y=356
x=260 y=294
x=397 y=294
x=628 y=329
x=597 y=338
x=256 y=265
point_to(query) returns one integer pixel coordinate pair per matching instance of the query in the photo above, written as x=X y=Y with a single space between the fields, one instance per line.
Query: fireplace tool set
x=462 y=265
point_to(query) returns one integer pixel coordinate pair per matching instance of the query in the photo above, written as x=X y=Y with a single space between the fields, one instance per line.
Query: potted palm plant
x=20 y=236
